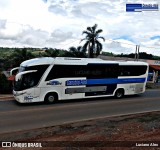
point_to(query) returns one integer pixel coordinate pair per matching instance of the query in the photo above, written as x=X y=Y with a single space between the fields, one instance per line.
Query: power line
x=115 y=42
x=120 y=42
x=70 y=43
x=64 y=45
x=151 y=47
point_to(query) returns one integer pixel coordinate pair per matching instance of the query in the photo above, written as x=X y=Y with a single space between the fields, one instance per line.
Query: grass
x=149 y=118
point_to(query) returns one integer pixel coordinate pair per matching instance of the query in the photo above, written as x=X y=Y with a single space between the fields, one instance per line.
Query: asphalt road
x=16 y=117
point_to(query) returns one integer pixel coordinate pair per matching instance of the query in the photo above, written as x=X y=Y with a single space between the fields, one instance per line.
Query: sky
x=60 y=23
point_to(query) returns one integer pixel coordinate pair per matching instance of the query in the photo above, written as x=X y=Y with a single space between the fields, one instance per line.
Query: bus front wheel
x=51 y=98
x=119 y=93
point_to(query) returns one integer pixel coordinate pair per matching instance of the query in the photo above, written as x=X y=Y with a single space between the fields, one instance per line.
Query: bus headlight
x=18 y=94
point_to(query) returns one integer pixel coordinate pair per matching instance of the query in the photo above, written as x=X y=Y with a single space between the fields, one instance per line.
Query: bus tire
x=51 y=98
x=119 y=93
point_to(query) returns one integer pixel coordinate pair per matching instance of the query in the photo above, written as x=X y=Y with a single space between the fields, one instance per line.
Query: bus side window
x=127 y=73
x=121 y=71
x=132 y=70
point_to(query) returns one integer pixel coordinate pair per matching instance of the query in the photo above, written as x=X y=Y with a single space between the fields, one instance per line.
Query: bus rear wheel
x=51 y=98
x=119 y=93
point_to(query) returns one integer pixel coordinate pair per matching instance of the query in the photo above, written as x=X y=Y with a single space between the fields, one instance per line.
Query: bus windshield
x=28 y=76
x=25 y=80
x=21 y=69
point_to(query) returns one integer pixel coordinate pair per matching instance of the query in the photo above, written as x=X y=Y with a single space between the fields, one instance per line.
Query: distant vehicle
x=50 y=79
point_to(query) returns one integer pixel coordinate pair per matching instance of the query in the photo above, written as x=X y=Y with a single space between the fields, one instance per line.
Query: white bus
x=50 y=79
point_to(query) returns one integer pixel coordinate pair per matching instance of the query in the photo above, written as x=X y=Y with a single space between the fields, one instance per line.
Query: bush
x=5 y=85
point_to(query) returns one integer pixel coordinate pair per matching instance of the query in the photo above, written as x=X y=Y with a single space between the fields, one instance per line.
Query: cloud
x=4 y=3
x=57 y=9
x=26 y=35
x=29 y=36
x=90 y=10
x=54 y=23
x=79 y=9
x=118 y=47
x=9 y=31
x=60 y=36
x=22 y=35
x=45 y=1
x=2 y=24
x=152 y=43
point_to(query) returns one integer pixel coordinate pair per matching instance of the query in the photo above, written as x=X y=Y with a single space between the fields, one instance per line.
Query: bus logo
x=76 y=82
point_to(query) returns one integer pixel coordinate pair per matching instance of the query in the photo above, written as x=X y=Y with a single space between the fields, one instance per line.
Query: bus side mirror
x=19 y=75
x=13 y=70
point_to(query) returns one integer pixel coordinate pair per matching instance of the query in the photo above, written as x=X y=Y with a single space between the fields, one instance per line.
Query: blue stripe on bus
x=115 y=81
x=104 y=81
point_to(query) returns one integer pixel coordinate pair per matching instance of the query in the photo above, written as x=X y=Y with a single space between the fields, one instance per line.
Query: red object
x=11 y=78
x=155 y=67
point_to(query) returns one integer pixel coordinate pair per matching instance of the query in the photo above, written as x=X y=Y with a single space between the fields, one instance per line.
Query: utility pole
x=137 y=52
x=138 y=47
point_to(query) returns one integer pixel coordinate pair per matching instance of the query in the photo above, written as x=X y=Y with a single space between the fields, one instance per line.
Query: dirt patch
x=6 y=97
x=116 y=133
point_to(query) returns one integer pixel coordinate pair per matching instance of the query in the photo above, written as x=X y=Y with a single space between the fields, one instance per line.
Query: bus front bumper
x=18 y=96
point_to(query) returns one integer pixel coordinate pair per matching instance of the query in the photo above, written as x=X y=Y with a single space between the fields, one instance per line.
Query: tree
x=52 y=53
x=92 y=44
x=20 y=55
x=107 y=54
x=77 y=52
x=6 y=86
x=142 y=55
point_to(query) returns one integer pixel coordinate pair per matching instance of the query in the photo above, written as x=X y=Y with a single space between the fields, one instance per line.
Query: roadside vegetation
x=12 y=57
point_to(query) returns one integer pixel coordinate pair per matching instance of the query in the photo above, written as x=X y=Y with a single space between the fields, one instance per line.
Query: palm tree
x=77 y=52
x=92 y=43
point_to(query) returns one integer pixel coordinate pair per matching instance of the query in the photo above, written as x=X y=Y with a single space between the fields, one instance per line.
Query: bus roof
x=76 y=61
x=38 y=61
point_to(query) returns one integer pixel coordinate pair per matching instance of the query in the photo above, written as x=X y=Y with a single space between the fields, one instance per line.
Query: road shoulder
x=144 y=126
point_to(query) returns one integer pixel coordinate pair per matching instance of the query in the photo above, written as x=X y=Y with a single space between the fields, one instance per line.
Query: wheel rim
x=51 y=98
x=119 y=94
